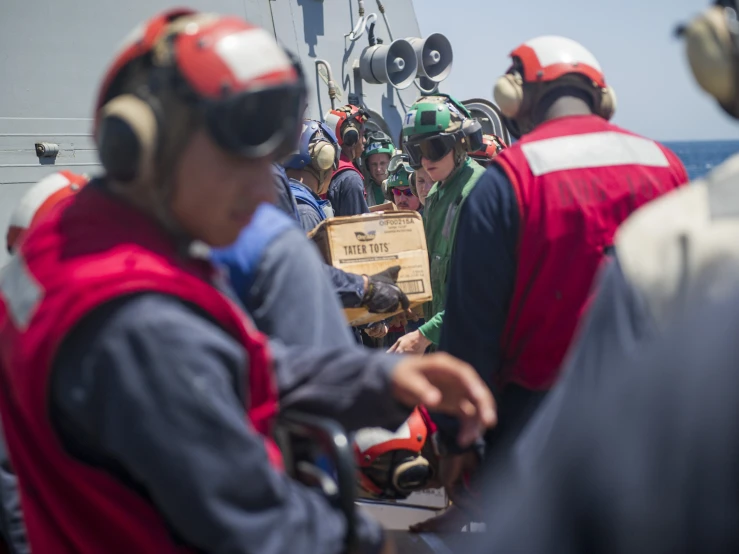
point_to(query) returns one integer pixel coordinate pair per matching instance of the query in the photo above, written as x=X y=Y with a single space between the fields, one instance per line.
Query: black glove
x=383 y=295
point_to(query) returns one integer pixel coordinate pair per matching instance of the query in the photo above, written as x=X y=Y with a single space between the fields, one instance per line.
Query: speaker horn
x=395 y=63
x=434 y=55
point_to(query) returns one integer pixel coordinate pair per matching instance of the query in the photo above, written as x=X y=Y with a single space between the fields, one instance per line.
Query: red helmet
x=491 y=147
x=248 y=90
x=347 y=123
x=39 y=200
x=392 y=465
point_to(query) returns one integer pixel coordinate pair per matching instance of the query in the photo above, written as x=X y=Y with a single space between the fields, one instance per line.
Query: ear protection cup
x=350 y=135
x=323 y=155
x=127 y=137
x=608 y=103
x=472 y=130
x=711 y=54
x=508 y=94
x=412 y=475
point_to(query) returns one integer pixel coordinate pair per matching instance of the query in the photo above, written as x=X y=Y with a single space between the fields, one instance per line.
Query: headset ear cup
x=508 y=94
x=608 y=103
x=323 y=155
x=709 y=50
x=127 y=137
x=350 y=136
x=472 y=130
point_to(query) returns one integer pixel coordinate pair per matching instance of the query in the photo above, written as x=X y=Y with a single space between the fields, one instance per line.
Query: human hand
x=383 y=295
x=412 y=343
x=377 y=330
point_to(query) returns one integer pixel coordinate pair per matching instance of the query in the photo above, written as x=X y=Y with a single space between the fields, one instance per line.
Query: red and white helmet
x=392 y=465
x=347 y=122
x=491 y=147
x=544 y=60
x=248 y=91
x=39 y=200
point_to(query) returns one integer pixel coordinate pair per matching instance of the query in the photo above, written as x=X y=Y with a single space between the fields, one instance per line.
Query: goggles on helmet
x=396 y=162
x=432 y=148
x=259 y=123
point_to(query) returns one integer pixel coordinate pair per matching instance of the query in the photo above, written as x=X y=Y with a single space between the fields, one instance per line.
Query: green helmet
x=439 y=124
x=433 y=115
x=400 y=172
x=378 y=143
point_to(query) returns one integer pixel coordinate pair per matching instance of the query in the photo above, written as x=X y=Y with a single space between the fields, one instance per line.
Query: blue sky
x=632 y=40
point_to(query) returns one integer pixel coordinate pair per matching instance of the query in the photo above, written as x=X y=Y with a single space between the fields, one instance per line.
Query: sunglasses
x=403 y=192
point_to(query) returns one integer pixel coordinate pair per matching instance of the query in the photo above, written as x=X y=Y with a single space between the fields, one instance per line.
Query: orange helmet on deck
x=393 y=465
x=39 y=200
x=491 y=147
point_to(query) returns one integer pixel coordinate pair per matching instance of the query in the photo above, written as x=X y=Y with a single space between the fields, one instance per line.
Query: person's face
x=423 y=184
x=216 y=193
x=377 y=166
x=404 y=199
x=441 y=169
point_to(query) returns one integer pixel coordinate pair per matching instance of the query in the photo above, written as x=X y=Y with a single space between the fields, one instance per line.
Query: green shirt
x=375 y=196
x=440 y=218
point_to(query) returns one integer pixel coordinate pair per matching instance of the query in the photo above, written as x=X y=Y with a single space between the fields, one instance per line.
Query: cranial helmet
x=491 y=147
x=393 y=465
x=347 y=123
x=318 y=150
x=541 y=65
x=251 y=105
x=436 y=125
x=39 y=200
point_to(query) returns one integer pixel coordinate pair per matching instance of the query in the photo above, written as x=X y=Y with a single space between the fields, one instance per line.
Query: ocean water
x=700 y=157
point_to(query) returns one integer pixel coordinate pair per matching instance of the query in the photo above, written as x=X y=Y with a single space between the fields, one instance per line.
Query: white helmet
x=38 y=200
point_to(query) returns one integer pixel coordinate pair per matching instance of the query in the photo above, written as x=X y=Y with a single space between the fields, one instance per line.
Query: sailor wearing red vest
x=540 y=222
x=346 y=190
x=136 y=399
x=35 y=203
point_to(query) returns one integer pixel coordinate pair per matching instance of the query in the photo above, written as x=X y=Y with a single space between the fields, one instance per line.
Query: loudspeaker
x=395 y=63
x=434 y=55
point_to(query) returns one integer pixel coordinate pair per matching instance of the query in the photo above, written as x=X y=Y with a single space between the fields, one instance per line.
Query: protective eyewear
x=259 y=123
x=398 y=162
x=402 y=192
x=432 y=148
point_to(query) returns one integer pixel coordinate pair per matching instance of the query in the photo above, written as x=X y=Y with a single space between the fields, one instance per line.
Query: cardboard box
x=370 y=243
x=386 y=207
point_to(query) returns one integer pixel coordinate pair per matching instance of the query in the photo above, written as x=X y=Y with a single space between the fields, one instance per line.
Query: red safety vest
x=90 y=250
x=576 y=179
x=345 y=164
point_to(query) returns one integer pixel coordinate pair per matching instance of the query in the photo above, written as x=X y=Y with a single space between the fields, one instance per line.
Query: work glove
x=383 y=295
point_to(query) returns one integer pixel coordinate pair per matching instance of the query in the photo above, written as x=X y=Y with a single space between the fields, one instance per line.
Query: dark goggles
x=258 y=123
x=404 y=192
x=433 y=148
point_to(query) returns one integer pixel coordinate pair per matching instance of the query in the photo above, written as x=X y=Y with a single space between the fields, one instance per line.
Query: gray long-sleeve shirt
x=291 y=297
x=151 y=391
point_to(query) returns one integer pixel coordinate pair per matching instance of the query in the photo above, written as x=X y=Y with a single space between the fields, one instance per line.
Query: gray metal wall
x=53 y=55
